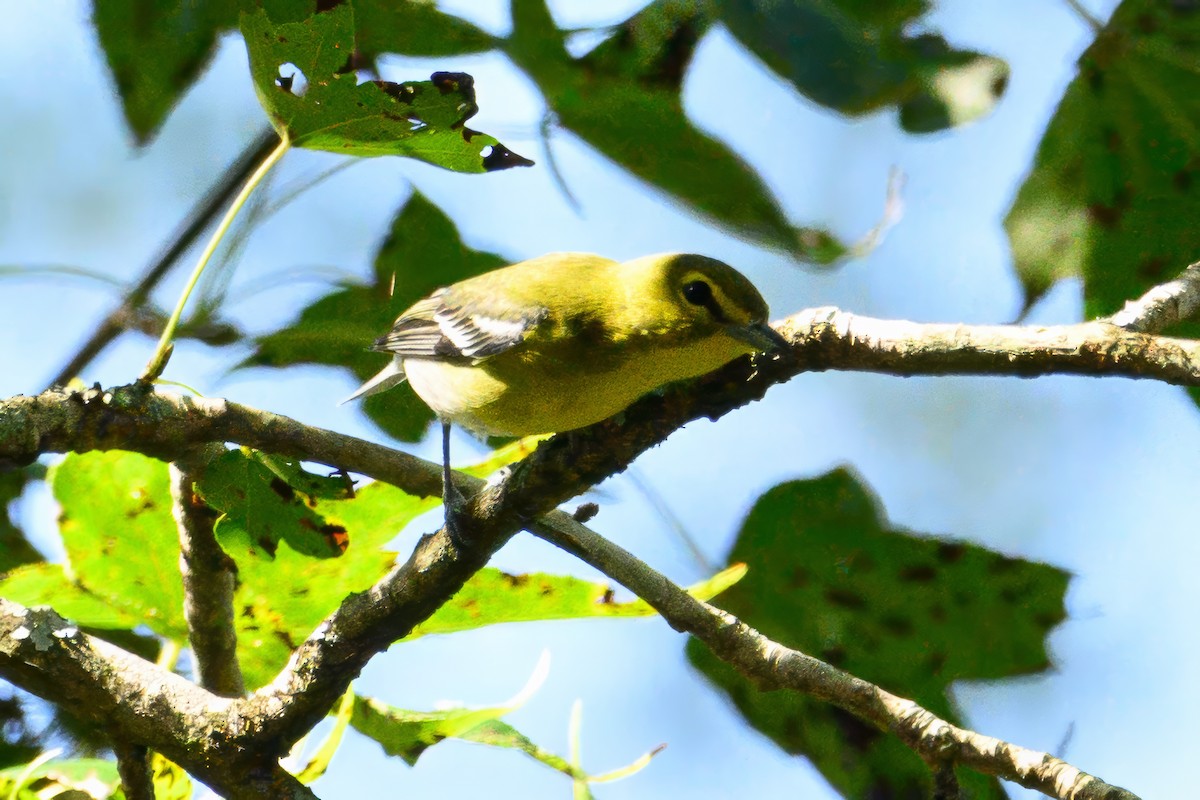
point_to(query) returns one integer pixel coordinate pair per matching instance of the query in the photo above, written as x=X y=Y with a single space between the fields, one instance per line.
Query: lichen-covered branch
x=258 y=729
x=139 y=703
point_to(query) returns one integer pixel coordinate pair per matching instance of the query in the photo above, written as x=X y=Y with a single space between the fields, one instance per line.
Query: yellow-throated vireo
x=568 y=339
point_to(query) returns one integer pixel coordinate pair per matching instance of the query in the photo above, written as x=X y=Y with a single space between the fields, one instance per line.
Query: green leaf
x=423 y=252
x=857 y=57
x=282 y=597
x=156 y=49
x=120 y=537
x=415 y=28
x=624 y=99
x=48 y=585
x=305 y=75
x=910 y=613
x=1115 y=186
x=492 y=597
x=76 y=778
x=407 y=734
x=319 y=763
x=262 y=507
x=170 y=781
x=15 y=549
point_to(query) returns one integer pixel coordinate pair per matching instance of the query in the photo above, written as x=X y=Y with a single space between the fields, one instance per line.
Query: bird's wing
x=444 y=327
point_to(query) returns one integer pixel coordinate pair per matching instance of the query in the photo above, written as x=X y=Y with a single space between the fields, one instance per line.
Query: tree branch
x=774 y=666
x=141 y=703
x=209 y=579
x=169 y=426
x=1162 y=306
x=133 y=765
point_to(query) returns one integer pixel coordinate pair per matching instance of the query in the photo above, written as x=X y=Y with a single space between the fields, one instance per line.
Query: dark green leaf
x=262 y=507
x=120 y=536
x=156 y=50
x=306 y=76
x=910 y=613
x=1114 y=188
x=624 y=99
x=856 y=58
x=415 y=28
x=423 y=251
x=15 y=549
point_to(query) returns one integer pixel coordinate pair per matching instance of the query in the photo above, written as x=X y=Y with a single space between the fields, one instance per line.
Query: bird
x=562 y=341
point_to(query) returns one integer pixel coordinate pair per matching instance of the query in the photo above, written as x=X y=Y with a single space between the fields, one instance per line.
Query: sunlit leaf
x=170 y=781
x=407 y=734
x=120 y=536
x=306 y=76
x=75 y=778
x=910 y=613
x=492 y=597
x=319 y=763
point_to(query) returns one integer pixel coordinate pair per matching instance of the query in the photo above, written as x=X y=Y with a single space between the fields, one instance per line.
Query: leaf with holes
x=910 y=613
x=306 y=76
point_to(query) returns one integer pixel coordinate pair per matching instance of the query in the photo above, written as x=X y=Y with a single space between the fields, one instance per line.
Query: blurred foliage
x=858 y=57
x=1113 y=176
x=623 y=97
x=15 y=549
x=64 y=778
x=156 y=49
x=909 y=613
x=422 y=252
x=1117 y=169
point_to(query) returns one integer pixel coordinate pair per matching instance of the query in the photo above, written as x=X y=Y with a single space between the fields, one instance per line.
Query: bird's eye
x=698 y=293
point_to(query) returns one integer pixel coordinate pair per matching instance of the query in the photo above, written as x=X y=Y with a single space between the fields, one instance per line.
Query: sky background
x=1094 y=476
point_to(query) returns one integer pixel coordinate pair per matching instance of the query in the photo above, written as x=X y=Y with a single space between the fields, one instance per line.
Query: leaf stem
x=162 y=353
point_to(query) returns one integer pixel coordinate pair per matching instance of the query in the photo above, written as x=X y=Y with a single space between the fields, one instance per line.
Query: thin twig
x=158 y=361
x=199 y=219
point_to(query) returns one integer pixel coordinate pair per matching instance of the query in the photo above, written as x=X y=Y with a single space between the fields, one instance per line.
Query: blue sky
x=1094 y=476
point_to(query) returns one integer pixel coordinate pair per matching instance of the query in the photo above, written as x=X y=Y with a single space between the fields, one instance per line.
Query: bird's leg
x=452 y=499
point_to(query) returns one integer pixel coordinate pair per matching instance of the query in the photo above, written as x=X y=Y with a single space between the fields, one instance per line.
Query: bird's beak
x=759 y=335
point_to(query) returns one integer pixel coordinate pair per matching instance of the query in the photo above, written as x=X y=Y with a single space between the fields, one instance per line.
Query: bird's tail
x=386 y=378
